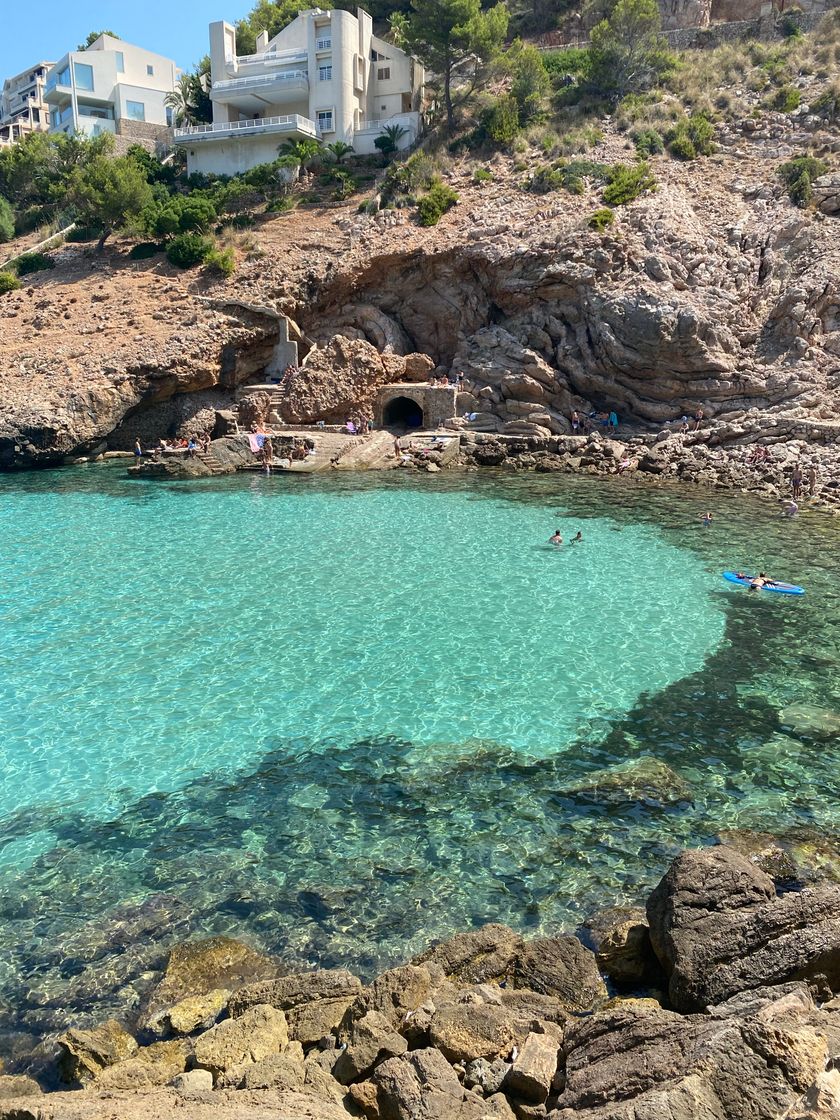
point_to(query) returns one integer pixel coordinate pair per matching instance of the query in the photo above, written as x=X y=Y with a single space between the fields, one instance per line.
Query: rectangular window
x=64 y=77
x=325 y=120
x=383 y=73
x=325 y=73
x=135 y=110
x=84 y=75
x=120 y=62
x=323 y=44
x=150 y=71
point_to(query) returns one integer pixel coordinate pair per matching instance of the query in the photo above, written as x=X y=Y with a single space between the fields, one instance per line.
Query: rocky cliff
x=713 y=292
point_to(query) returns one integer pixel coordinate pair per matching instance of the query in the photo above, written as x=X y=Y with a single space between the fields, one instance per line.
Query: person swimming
x=555 y=538
x=707 y=518
x=578 y=537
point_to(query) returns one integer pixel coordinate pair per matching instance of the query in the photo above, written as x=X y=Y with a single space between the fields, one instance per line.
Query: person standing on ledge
x=812 y=480
x=796 y=480
x=555 y=538
x=698 y=419
x=138 y=450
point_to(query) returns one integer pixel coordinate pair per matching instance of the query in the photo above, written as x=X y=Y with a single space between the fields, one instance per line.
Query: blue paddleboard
x=779 y=588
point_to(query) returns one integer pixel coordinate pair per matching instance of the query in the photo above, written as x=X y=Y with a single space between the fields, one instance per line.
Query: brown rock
x=372 y=1040
x=260 y=1032
x=17 y=1085
x=532 y=1073
x=561 y=967
x=314 y=1002
x=150 y=1067
x=477 y=956
x=84 y=1054
x=621 y=940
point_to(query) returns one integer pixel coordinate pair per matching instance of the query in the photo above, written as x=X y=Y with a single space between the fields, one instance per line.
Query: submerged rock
x=810 y=721
x=645 y=780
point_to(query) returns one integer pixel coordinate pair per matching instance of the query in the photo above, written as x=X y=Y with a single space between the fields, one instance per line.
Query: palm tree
x=398 y=28
x=182 y=101
x=339 y=150
x=389 y=138
x=304 y=151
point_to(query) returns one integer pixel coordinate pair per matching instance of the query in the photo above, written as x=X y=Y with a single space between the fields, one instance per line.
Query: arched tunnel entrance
x=402 y=412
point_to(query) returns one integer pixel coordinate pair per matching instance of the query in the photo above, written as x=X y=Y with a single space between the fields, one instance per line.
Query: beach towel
x=256 y=441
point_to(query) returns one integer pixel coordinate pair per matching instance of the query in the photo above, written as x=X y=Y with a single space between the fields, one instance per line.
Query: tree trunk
x=447 y=92
x=100 y=244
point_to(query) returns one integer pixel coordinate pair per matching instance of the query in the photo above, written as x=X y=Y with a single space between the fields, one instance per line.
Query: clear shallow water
x=337 y=716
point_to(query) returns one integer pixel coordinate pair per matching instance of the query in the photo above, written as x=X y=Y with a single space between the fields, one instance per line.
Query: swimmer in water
x=707 y=518
x=577 y=537
x=555 y=538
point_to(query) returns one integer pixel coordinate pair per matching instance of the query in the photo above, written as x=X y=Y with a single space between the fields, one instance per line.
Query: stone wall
x=685 y=13
x=438 y=405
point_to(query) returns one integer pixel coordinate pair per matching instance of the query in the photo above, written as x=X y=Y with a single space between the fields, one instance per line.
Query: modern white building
x=22 y=106
x=114 y=87
x=325 y=75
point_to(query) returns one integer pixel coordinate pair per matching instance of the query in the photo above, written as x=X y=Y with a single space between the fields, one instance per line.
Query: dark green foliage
x=569 y=175
x=151 y=166
x=626 y=183
x=789 y=27
x=501 y=121
x=84 y=233
x=189 y=249
x=33 y=262
x=692 y=137
x=648 y=142
x=8 y=283
x=530 y=79
x=828 y=103
x=346 y=185
x=144 y=251
x=388 y=142
x=560 y=65
x=627 y=52
x=601 y=219
x=7 y=220
x=482 y=175
x=92 y=37
x=787 y=99
x=433 y=206
x=798 y=174
x=111 y=193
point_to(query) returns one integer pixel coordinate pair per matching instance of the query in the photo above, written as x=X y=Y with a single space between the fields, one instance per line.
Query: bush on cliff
x=33 y=262
x=433 y=206
x=648 y=142
x=189 y=249
x=626 y=183
x=111 y=193
x=602 y=219
x=7 y=221
x=627 y=52
x=569 y=175
x=9 y=283
x=692 y=137
x=798 y=175
x=501 y=121
x=220 y=262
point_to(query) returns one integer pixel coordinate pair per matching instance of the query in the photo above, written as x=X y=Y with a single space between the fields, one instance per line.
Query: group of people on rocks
x=446 y=381
x=185 y=445
x=583 y=422
x=358 y=424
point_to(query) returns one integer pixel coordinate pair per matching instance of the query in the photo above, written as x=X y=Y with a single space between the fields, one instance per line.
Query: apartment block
x=112 y=86
x=22 y=105
x=325 y=75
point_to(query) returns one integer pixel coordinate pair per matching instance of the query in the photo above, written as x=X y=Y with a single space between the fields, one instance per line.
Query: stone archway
x=402 y=412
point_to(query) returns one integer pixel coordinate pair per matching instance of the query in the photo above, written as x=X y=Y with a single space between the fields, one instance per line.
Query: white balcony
x=255 y=62
x=251 y=94
x=292 y=124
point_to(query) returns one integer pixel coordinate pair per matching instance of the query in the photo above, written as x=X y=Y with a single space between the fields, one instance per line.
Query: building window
x=135 y=110
x=323 y=44
x=325 y=73
x=120 y=62
x=325 y=120
x=150 y=71
x=64 y=77
x=84 y=75
x=170 y=117
x=383 y=73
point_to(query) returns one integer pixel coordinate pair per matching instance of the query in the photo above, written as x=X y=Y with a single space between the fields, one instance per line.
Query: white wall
x=231 y=157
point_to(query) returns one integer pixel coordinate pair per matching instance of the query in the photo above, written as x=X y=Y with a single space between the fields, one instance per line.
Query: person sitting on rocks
x=698 y=419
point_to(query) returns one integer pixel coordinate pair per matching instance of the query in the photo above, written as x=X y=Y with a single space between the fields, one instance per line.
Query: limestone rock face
x=827 y=193
x=314 y=1002
x=423 y=1086
x=18 y=1085
x=718 y=928
x=338 y=379
x=202 y=969
x=84 y=1054
x=685 y=13
x=150 y=1067
x=532 y=1073
x=372 y=1040
x=260 y=1032
x=477 y=956
x=561 y=967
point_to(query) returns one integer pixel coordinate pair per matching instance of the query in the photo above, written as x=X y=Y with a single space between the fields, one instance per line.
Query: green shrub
x=501 y=121
x=7 y=220
x=787 y=99
x=482 y=175
x=188 y=249
x=346 y=185
x=84 y=233
x=789 y=27
x=220 y=262
x=626 y=183
x=692 y=137
x=648 y=142
x=433 y=206
x=33 y=262
x=9 y=283
x=601 y=219
x=569 y=175
x=280 y=205
x=798 y=174
x=828 y=103
x=144 y=251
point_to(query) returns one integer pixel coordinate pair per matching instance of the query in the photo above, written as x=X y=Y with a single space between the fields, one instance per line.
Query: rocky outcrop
x=338 y=380
x=314 y=1003
x=718 y=929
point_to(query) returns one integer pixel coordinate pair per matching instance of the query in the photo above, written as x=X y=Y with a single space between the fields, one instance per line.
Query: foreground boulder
x=259 y=1033
x=84 y=1054
x=621 y=940
x=561 y=967
x=314 y=1003
x=423 y=1086
x=718 y=929
x=477 y=956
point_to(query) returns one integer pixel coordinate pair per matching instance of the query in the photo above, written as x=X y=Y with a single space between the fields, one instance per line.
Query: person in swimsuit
x=138 y=450
x=578 y=537
x=555 y=538
x=707 y=518
x=796 y=481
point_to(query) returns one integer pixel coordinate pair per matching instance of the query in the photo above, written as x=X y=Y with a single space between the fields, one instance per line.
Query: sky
x=47 y=29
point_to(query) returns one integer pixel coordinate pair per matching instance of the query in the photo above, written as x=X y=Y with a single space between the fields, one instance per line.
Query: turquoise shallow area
x=337 y=716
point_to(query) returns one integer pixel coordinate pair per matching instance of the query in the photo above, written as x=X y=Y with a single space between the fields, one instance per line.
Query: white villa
x=112 y=87
x=325 y=75
x=22 y=106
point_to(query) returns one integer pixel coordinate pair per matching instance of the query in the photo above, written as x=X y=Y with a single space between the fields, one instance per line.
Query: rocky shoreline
x=717 y=1001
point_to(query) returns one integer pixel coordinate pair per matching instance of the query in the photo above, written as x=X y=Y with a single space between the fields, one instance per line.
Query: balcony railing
x=261 y=80
x=265 y=57
x=291 y=123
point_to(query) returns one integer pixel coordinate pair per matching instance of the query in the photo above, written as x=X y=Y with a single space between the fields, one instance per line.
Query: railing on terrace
x=261 y=80
x=291 y=123
x=266 y=56
x=380 y=123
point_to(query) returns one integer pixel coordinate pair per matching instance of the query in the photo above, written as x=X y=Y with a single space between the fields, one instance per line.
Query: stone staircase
x=210 y=461
x=373 y=452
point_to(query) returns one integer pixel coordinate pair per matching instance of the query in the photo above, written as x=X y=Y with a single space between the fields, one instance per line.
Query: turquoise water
x=341 y=716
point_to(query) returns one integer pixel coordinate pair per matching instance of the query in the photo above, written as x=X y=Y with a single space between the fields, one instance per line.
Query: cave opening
x=402 y=412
